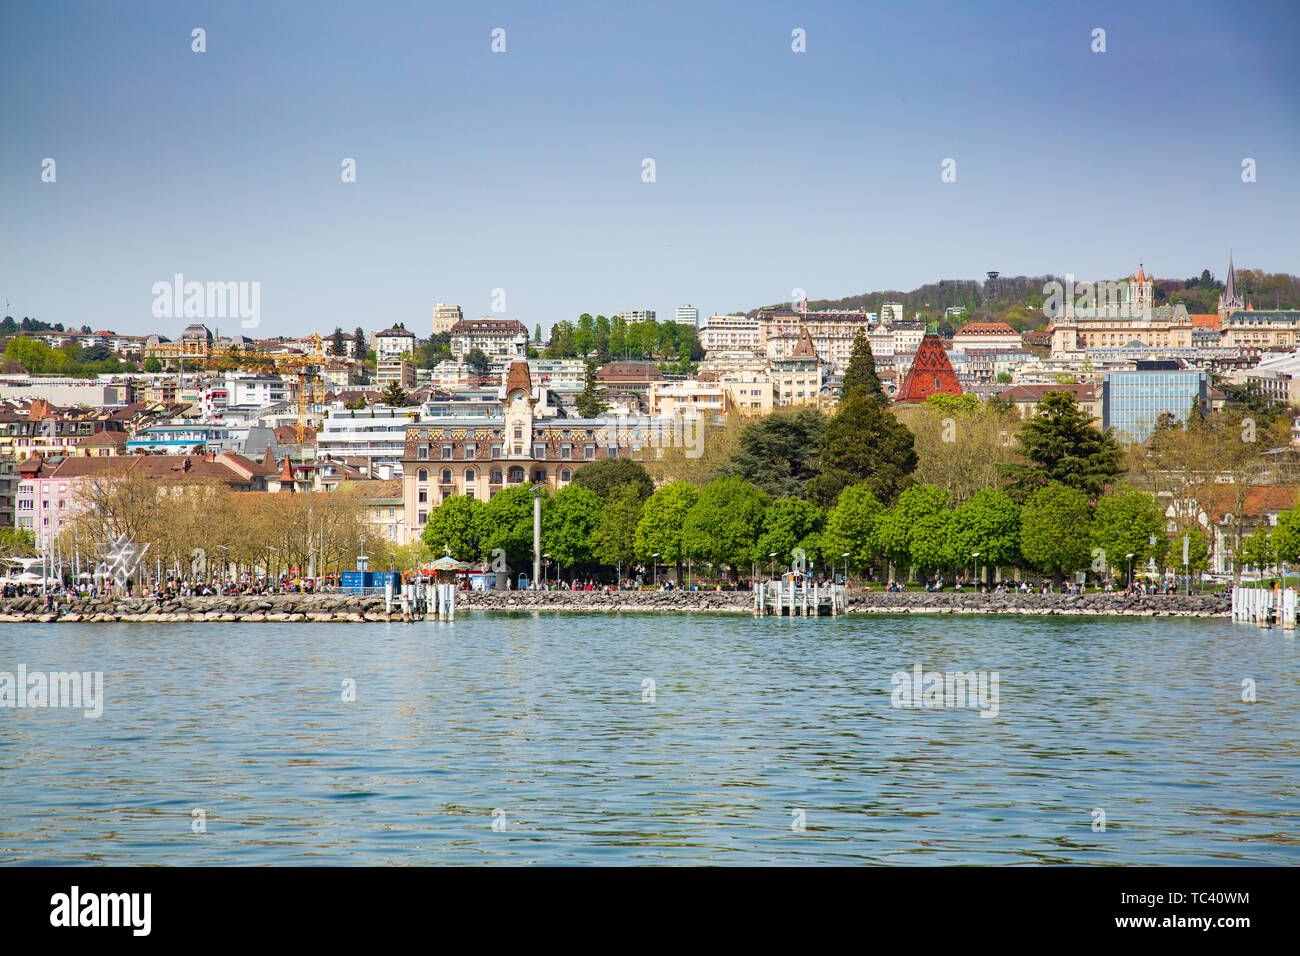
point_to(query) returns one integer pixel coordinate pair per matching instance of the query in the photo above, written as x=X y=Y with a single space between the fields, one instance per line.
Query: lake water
x=760 y=741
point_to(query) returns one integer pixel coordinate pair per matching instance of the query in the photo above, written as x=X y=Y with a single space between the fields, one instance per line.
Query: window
x=424 y=517
x=471 y=451
x=423 y=474
x=422 y=496
x=564 y=475
x=539 y=475
x=494 y=478
x=519 y=432
x=446 y=476
x=516 y=474
x=496 y=451
x=566 y=451
x=423 y=452
x=539 y=451
x=589 y=452
x=446 y=452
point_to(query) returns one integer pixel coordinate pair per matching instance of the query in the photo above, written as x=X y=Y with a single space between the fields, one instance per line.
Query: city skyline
x=522 y=171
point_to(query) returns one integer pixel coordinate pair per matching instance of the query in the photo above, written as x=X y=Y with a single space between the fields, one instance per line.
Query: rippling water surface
x=545 y=717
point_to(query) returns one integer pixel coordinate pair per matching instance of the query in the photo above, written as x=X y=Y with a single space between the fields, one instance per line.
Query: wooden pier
x=794 y=596
x=1264 y=606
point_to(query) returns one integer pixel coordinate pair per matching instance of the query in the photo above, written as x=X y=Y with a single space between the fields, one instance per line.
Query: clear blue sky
x=522 y=170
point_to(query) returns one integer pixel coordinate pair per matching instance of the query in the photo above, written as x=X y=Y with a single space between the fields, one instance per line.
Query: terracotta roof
x=518 y=378
x=931 y=373
x=1260 y=500
x=804 y=348
x=986 y=328
x=1206 y=320
x=103 y=439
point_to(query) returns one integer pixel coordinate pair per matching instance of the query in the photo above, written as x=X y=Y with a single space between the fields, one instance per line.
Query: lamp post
x=1130 y=568
x=976 y=556
x=654 y=579
x=772 y=557
x=845 y=556
x=547 y=571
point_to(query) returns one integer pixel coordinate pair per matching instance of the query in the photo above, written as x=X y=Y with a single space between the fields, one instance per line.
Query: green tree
x=790 y=524
x=860 y=374
x=780 y=453
x=724 y=525
x=988 y=522
x=1124 y=523
x=478 y=362
x=1286 y=537
x=912 y=532
x=864 y=442
x=589 y=403
x=614 y=540
x=949 y=404
x=568 y=522
x=606 y=475
x=1062 y=445
x=851 y=527
x=537 y=333
x=1054 y=530
x=337 y=345
x=506 y=523
x=456 y=525
x=359 y=344
x=152 y=364
x=1257 y=550
x=395 y=395
x=662 y=526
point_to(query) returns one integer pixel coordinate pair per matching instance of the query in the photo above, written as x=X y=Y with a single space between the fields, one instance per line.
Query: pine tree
x=861 y=371
x=337 y=347
x=395 y=395
x=1061 y=444
x=589 y=403
x=864 y=442
x=360 y=352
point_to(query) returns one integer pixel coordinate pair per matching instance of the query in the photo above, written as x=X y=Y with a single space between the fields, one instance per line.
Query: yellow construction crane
x=302 y=369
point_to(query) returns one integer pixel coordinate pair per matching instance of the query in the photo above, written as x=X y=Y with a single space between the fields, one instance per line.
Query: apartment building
x=495 y=338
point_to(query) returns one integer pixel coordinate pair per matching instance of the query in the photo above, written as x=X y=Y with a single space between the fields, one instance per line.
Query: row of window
x=516 y=475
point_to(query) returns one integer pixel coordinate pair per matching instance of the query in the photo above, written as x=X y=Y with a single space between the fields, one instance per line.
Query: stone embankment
x=321 y=608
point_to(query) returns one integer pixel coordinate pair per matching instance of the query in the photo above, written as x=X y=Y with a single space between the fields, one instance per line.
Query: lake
x=617 y=739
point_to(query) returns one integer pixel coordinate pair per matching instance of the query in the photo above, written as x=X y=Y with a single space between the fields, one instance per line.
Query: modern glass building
x=1132 y=402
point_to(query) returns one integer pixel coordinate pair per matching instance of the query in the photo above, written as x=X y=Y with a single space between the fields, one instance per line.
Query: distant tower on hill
x=1229 y=299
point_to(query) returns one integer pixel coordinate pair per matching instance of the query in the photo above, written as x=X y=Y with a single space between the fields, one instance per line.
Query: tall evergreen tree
x=361 y=349
x=864 y=442
x=861 y=371
x=337 y=347
x=589 y=403
x=1060 y=443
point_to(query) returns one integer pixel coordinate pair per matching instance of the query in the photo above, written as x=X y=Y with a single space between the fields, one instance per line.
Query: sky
x=523 y=170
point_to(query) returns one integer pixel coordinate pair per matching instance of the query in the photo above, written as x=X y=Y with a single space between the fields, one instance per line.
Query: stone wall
x=337 y=607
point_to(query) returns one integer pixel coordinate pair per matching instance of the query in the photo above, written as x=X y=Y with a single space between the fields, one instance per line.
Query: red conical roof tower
x=931 y=373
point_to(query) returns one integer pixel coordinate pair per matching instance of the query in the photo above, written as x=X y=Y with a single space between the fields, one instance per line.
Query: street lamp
x=845 y=556
x=1130 y=568
x=654 y=579
x=976 y=556
x=772 y=555
x=546 y=574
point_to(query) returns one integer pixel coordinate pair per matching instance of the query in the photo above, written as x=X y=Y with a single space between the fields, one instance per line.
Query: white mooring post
x=1288 y=609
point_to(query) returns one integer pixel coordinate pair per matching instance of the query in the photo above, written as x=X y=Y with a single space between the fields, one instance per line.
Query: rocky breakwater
x=1015 y=602
x=318 y=608
x=322 y=608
